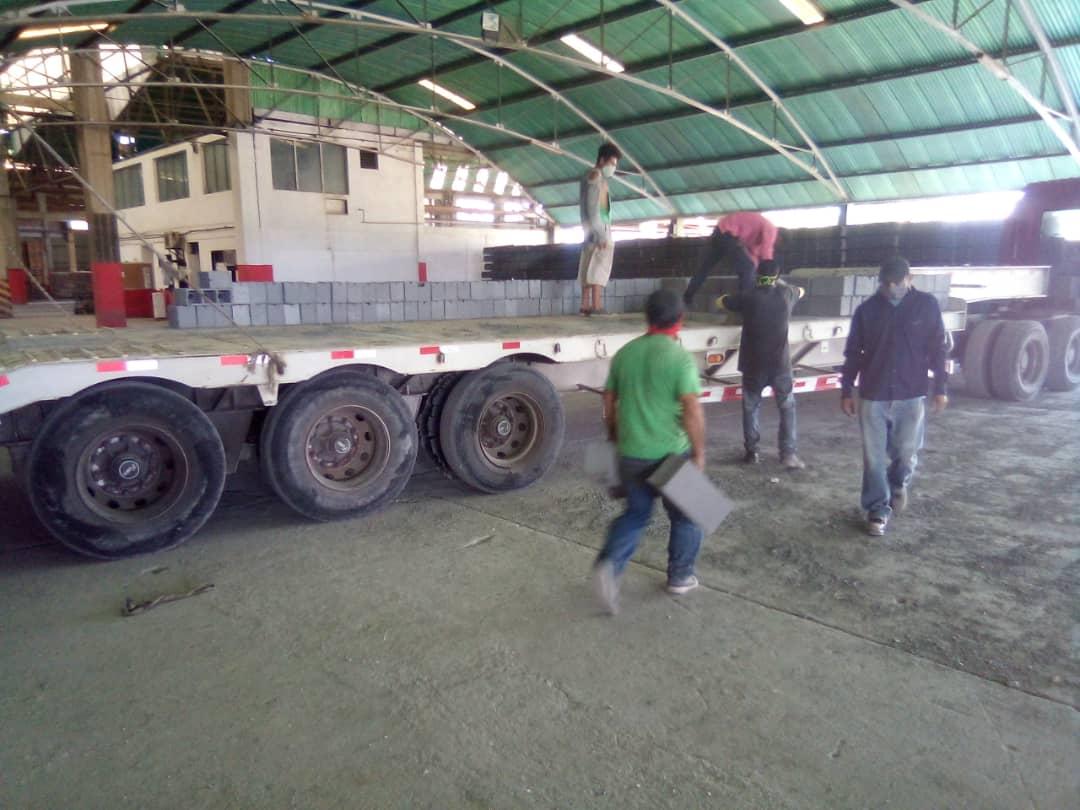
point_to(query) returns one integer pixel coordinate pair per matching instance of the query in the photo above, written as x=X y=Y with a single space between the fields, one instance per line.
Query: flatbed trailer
x=123 y=438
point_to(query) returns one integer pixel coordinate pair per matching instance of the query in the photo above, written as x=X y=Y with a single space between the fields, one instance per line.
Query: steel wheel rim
x=132 y=474
x=348 y=447
x=509 y=429
x=1031 y=363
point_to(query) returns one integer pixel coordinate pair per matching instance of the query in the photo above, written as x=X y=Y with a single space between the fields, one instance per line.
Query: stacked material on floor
x=293 y=303
x=837 y=292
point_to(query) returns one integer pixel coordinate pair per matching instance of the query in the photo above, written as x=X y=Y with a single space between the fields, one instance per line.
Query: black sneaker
x=752 y=457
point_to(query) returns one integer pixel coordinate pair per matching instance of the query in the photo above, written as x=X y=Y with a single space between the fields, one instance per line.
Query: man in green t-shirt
x=652 y=410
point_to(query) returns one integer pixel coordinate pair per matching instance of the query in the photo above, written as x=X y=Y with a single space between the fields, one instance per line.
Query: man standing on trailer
x=652 y=410
x=598 y=249
x=765 y=359
x=896 y=338
x=742 y=241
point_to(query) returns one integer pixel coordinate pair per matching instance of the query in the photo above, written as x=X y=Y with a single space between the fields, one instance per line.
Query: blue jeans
x=751 y=407
x=625 y=531
x=892 y=435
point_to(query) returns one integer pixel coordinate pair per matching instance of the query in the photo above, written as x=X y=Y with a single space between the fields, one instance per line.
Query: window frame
x=182 y=156
x=214 y=147
x=135 y=169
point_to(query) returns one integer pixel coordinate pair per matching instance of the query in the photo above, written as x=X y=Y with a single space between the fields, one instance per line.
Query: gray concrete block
x=324 y=292
x=325 y=313
x=182 y=317
x=410 y=311
x=376 y=292
x=292 y=314
x=339 y=313
x=241 y=294
x=241 y=314
x=376 y=312
x=547 y=305
x=462 y=291
x=273 y=292
x=293 y=292
x=437 y=311
x=355 y=292
x=208 y=317
x=210 y=296
x=865 y=285
x=549 y=289
x=438 y=290
x=309 y=313
x=415 y=291
x=831 y=307
x=451 y=310
x=397 y=311
x=822 y=286
x=356 y=313
x=423 y=310
x=397 y=291
x=259 y=315
x=470 y=309
x=339 y=292
x=487 y=308
x=529 y=307
x=186 y=297
x=534 y=288
x=500 y=307
x=496 y=290
x=257 y=293
x=215 y=279
x=478 y=290
x=275 y=314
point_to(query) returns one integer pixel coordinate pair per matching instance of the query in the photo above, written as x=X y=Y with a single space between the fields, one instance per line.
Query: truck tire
x=429 y=417
x=1020 y=361
x=125 y=469
x=341 y=451
x=1064 y=335
x=502 y=427
x=977 y=357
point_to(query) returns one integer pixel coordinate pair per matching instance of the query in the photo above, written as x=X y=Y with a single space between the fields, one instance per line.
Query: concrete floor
x=447 y=653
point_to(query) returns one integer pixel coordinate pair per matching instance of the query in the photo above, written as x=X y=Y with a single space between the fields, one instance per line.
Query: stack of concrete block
x=837 y=292
x=293 y=303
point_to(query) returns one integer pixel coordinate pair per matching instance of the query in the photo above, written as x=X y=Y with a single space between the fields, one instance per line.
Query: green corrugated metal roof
x=897 y=108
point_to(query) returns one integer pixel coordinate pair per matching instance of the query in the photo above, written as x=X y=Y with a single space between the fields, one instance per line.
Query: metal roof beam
x=1060 y=82
x=999 y=69
x=793 y=92
x=837 y=144
x=192 y=30
x=301 y=31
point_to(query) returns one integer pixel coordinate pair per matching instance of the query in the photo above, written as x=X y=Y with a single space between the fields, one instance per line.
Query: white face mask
x=608 y=170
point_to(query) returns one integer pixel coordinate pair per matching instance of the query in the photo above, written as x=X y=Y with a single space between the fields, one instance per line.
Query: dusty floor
x=446 y=653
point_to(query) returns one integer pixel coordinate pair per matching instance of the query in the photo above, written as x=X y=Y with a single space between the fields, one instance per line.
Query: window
x=301 y=166
x=128 y=188
x=172 y=177
x=216 y=166
x=369 y=159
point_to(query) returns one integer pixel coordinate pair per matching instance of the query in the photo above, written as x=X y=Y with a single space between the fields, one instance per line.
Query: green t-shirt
x=648 y=375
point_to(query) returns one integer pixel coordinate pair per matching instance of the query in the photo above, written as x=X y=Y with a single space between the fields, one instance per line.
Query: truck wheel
x=427 y=420
x=502 y=427
x=1020 y=361
x=977 y=354
x=1064 y=335
x=125 y=470
x=341 y=451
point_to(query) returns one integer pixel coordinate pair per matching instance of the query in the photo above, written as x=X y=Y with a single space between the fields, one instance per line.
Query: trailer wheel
x=1020 y=361
x=341 y=451
x=502 y=427
x=430 y=415
x=1064 y=335
x=977 y=357
x=126 y=469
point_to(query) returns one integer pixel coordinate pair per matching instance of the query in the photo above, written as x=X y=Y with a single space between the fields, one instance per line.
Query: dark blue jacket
x=891 y=348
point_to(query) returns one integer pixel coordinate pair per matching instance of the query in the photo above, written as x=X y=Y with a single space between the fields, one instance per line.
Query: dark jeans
x=726 y=249
x=751 y=406
x=625 y=531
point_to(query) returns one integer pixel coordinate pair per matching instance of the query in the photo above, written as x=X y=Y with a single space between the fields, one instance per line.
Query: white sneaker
x=875 y=527
x=681 y=586
x=606 y=585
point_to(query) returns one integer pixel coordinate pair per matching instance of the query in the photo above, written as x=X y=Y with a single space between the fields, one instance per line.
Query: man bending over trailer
x=765 y=359
x=743 y=242
x=896 y=338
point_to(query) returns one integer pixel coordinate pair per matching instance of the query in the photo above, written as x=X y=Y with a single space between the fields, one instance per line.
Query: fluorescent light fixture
x=61 y=30
x=125 y=140
x=806 y=11
x=78 y=224
x=449 y=95
x=592 y=53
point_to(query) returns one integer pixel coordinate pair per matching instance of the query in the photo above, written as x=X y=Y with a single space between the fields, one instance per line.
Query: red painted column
x=20 y=293
x=421 y=272
x=108 y=283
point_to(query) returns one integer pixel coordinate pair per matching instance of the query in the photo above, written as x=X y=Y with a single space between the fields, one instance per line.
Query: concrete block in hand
x=241 y=314
x=292 y=314
x=680 y=481
x=259 y=315
x=182 y=317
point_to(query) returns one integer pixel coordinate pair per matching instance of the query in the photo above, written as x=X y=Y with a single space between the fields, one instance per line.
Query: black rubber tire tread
x=427 y=420
x=1061 y=333
x=977 y=354
x=1015 y=337
x=53 y=475
x=459 y=426
x=286 y=451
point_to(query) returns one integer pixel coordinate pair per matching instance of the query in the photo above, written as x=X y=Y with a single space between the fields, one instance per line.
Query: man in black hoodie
x=896 y=338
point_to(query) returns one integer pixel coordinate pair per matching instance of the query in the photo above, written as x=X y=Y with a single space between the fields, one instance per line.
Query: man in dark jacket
x=896 y=338
x=765 y=359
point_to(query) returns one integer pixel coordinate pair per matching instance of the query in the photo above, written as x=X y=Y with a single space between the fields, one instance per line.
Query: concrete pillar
x=237 y=101
x=10 y=249
x=95 y=155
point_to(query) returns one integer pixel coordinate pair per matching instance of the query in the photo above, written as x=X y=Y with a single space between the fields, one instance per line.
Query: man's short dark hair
x=894 y=270
x=768 y=267
x=608 y=151
x=663 y=309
